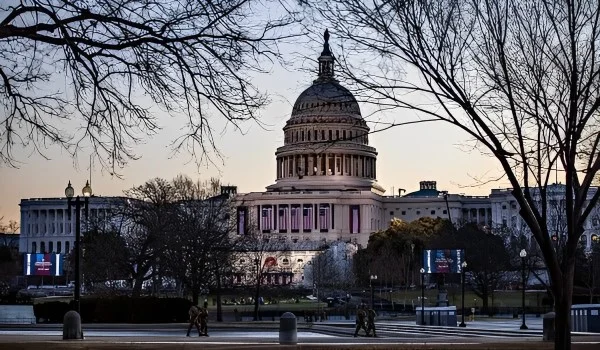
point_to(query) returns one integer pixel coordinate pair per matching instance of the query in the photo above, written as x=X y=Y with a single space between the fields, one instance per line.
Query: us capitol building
x=325 y=186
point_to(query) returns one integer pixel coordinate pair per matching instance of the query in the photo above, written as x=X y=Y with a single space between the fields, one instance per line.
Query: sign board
x=43 y=264
x=443 y=260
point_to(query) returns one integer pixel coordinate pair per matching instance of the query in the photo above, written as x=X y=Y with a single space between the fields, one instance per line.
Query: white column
x=295 y=166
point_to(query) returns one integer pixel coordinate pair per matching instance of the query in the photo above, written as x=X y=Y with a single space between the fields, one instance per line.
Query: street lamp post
x=69 y=193
x=523 y=255
x=463 y=267
x=422 y=295
x=371 y=279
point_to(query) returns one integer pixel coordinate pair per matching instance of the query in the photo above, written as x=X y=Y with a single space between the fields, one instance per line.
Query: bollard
x=548 y=326
x=288 y=333
x=72 y=326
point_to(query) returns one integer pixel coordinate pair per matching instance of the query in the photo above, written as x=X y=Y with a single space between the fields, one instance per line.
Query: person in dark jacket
x=371 y=314
x=194 y=313
x=204 y=320
x=360 y=319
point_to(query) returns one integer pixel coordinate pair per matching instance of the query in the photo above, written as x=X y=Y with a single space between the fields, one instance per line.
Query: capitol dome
x=326 y=98
x=326 y=140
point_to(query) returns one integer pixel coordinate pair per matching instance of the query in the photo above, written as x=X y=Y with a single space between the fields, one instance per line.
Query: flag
x=267 y=218
x=324 y=217
x=307 y=221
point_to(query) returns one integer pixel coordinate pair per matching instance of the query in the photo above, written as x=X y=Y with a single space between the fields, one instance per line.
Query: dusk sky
x=407 y=154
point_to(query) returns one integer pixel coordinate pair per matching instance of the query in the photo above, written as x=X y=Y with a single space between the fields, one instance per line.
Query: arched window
x=285 y=261
x=33 y=247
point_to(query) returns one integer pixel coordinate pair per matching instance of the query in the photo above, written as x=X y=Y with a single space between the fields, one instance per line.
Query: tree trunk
x=195 y=295
x=563 y=299
x=137 y=286
x=562 y=323
x=256 y=296
x=219 y=304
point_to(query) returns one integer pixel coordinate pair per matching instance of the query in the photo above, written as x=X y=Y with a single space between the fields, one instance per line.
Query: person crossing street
x=194 y=314
x=371 y=314
x=204 y=320
x=360 y=319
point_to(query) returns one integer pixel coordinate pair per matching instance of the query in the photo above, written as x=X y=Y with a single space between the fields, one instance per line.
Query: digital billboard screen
x=443 y=260
x=43 y=265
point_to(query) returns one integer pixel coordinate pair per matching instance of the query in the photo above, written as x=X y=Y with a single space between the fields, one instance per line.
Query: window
x=50 y=247
x=418 y=212
x=504 y=207
x=392 y=212
x=344 y=135
x=285 y=261
x=300 y=260
x=403 y=212
x=58 y=247
x=337 y=134
x=302 y=135
x=67 y=247
x=322 y=135
x=433 y=212
x=33 y=247
x=42 y=247
x=445 y=211
x=330 y=135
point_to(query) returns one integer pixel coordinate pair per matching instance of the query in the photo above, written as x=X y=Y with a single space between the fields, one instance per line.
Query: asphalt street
x=499 y=334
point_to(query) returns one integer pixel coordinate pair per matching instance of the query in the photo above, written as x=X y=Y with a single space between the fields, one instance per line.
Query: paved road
x=503 y=334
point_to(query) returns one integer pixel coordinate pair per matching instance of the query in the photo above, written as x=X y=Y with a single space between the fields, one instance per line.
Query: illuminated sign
x=443 y=260
x=43 y=265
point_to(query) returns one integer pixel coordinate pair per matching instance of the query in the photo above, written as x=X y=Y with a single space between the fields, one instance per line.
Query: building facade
x=325 y=190
x=47 y=228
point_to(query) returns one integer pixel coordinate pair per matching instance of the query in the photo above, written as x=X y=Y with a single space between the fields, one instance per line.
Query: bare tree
x=521 y=78
x=145 y=226
x=197 y=254
x=103 y=64
x=257 y=256
x=11 y=227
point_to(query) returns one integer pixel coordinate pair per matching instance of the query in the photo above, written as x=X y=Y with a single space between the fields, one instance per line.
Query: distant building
x=46 y=226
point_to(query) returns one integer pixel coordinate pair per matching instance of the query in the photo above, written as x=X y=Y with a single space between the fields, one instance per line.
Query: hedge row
x=122 y=309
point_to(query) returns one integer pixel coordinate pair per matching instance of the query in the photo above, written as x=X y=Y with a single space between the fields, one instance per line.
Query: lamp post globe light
x=371 y=279
x=462 y=270
x=422 y=271
x=70 y=193
x=523 y=255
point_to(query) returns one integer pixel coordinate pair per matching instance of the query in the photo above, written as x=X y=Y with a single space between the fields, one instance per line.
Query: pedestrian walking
x=194 y=313
x=371 y=314
x=204 y=320
x=360 y=319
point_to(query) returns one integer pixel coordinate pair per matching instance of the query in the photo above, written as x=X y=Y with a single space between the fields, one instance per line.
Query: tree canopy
x=101 y=73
